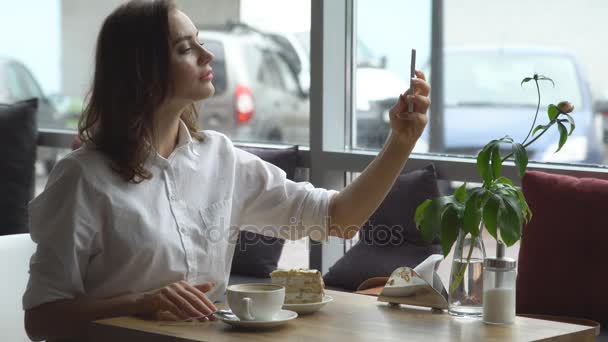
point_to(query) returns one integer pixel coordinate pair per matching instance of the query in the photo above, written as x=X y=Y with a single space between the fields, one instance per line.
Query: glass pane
x=385 y=36
x=267 y=73
x=484 y=64
x=236 y=31
x=59 y=68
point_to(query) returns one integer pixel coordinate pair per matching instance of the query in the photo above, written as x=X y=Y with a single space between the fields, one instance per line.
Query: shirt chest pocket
x=214 y=237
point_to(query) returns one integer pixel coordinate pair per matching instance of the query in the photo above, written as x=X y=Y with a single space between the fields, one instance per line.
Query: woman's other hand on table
x=177 y=301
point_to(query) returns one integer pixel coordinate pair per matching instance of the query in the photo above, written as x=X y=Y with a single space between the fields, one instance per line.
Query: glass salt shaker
x=499 y=288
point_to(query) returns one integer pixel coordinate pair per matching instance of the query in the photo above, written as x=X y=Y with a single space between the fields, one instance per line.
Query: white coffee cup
x=255 y=302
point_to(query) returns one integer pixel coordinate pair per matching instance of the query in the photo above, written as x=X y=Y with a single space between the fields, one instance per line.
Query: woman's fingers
x=421 y=87
x=420 y=75
x=197 y=299
x=180 y=299
x=181 y=303
x=197 y=290
x=421 y=103
x=204 y=287
x=167 y=304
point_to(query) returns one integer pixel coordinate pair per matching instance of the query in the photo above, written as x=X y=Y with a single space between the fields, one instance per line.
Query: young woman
x=142 y=219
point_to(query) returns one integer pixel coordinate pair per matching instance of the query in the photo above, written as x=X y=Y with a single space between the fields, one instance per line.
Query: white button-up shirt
x=99 y=236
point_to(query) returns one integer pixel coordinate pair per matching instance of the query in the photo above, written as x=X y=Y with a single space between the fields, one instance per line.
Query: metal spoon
x=225 y=314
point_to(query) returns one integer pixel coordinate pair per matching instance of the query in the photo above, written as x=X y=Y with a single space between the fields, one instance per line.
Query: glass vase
x=465 y=292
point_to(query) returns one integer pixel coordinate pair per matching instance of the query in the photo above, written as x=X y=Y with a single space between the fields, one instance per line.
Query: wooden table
x=350 y=317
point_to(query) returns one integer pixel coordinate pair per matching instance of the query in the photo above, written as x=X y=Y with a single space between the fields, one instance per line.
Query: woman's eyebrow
x=182 y=38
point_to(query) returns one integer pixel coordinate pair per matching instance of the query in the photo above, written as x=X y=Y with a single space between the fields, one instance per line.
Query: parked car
x=483 y=100
x=17 y=83
x=376 y=91
x=258 y=95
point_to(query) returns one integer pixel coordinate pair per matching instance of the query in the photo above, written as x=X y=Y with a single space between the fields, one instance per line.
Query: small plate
x=282 y=317
x=308 y=308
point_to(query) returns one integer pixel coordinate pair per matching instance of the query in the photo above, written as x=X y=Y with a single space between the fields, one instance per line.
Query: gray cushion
x=18 y=134
x=390 y=238
x=257 y=255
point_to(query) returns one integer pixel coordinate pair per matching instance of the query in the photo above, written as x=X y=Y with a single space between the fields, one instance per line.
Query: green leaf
x=525 y=80
x=496 y=162
x=429 y=216
x=527 y=213
x=521 y=158
x=483 y=161
x=450 y=226
x=572 y=125
x=545 y=78
x=563 y=135
x=552 y=111
x=506 y=139
x=539 y=127
x=420 y=212
x=461 y=193
x=510 y=220
x=490 y=214
x=504 y=180
x=472 y=215
x=483 y=165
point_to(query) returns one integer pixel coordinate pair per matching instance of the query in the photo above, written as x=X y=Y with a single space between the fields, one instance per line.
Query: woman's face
x=189 y=61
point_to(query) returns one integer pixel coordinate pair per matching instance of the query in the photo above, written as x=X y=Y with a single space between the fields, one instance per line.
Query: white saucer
x=281 y=318
x=308 y=307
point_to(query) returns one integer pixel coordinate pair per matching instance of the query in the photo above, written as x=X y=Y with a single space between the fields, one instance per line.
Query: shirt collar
x=184 y=141
x=185 y=138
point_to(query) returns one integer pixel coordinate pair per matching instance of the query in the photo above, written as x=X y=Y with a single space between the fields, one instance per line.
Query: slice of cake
x=301 y=285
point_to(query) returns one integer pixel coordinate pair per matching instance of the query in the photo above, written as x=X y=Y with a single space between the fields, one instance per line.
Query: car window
x=15 y=88
x=5 y=96
x=31 y=87
x=21 y=84
x=270 y=72
x=287 y=75
x=494 y=79
x=218 y=64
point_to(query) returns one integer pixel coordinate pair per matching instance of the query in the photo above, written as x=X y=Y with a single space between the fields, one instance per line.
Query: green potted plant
x=497 y=205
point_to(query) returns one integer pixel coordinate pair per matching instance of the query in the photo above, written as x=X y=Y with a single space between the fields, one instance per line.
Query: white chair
x=15 y=253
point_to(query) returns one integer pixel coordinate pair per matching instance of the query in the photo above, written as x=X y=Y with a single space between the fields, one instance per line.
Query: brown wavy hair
x=131 y=80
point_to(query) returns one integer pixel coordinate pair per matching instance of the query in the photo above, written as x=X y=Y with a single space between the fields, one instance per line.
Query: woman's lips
x=207 y=76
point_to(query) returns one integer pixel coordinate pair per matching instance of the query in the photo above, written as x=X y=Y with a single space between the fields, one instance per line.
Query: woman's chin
x=207 y=92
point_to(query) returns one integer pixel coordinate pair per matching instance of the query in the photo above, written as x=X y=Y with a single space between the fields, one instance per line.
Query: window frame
x=329 y=157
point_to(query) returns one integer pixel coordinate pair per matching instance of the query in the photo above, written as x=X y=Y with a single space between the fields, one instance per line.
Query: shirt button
x=183 y=230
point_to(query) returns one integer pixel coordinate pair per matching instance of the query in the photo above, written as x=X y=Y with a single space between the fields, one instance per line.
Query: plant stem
x=458 y=279
x=535 y=115
x=531 y=141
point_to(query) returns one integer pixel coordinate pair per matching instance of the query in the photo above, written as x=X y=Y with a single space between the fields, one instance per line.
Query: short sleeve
x=63 y=226
x=268 y=203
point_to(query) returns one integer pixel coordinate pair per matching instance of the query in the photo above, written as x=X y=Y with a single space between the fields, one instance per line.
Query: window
x=28 y=84
x=270 y=73
x=218 y=65
x=383 y=38
x=289 y=82
x=442 y=27
x=483 y=65
x=354 y=61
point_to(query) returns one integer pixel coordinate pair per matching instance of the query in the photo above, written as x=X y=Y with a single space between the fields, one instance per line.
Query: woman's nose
x=206 y=56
